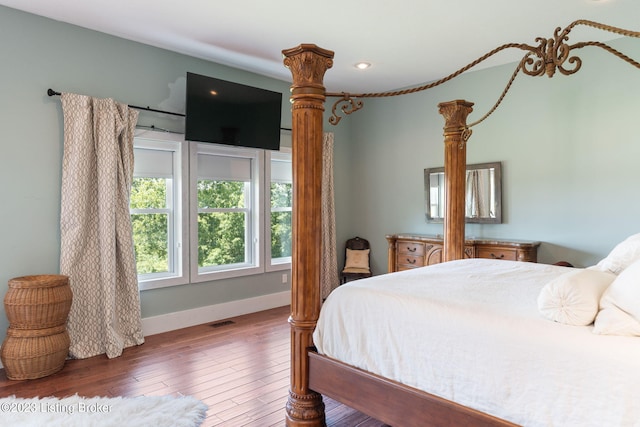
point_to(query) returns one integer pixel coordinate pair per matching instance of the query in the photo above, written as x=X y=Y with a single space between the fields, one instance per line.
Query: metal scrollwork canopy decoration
x=547 y=57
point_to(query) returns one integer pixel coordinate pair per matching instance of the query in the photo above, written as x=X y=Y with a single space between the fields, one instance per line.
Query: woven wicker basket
x=34 y=353
x=38 y=302
x=37 y=342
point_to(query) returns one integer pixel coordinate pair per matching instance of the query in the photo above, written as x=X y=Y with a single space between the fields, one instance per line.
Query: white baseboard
x=197 y=316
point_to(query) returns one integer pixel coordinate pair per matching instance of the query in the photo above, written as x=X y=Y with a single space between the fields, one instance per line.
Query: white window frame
x=283 y=263
x=255 y=230
x=178 y=236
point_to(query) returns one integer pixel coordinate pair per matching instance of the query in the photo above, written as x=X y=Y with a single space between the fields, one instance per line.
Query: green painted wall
x=569 y=148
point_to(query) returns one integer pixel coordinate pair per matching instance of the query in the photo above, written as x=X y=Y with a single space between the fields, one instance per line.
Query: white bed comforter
x=470 y=331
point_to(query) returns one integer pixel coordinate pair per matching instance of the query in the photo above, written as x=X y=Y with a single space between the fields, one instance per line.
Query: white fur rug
x=76 y=411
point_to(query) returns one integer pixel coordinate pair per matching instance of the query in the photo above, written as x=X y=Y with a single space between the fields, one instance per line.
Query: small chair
x=357 y=255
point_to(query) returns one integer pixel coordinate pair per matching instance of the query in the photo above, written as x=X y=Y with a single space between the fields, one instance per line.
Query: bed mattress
x=470 y=331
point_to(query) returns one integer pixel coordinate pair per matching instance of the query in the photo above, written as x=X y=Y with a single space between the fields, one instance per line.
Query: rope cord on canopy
x=545 y=58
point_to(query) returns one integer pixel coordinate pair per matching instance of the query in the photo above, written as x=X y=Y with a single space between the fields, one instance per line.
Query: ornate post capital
x=455 y=115
x=308 y=63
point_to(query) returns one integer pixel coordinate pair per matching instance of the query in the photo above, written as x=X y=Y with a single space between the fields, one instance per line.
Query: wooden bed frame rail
x=308 y=64
x=389 y=401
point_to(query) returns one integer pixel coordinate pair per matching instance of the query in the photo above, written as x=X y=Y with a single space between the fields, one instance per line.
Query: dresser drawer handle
x=411 y=261
x=410 y=249
x=497 y=257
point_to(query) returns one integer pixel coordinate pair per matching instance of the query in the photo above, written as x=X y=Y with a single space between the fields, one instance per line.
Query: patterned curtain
x=95 y=227
x=329 y=264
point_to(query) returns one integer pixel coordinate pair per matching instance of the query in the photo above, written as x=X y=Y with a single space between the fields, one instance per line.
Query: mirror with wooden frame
x=483 y=200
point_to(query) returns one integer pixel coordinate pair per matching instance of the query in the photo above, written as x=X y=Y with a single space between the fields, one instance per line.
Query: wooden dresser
x=415 y=250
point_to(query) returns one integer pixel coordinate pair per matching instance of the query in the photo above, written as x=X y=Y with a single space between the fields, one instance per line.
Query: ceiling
x=408 y=42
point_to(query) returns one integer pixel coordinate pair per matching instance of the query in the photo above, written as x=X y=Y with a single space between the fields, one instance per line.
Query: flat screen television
x=230 y=113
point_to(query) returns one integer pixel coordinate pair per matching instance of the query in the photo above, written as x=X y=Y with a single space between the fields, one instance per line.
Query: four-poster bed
x=313 y=373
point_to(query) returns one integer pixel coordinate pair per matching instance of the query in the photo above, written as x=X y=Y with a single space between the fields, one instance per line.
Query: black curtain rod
x=52 y=92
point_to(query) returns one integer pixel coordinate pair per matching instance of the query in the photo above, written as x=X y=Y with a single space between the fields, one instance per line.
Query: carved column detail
x=308 y=64
x=456 y=134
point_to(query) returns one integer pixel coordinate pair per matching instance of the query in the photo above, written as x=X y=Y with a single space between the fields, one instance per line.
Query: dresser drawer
x=409 y=261
x=410 y=248
x=497 y=253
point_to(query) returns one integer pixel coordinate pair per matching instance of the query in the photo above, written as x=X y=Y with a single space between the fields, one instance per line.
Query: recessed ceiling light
x=213 y=92
x=363 y=65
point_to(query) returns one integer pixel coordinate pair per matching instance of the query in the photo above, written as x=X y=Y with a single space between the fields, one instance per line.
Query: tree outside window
x=150 y=219
x=222 y=222
x=281 y=201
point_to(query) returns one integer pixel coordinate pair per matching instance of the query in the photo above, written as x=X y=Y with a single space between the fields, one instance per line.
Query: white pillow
x=573 y=298
x=620 y=305
x=622 y=255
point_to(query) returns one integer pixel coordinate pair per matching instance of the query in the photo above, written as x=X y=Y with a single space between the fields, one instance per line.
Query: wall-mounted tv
x=230 y=113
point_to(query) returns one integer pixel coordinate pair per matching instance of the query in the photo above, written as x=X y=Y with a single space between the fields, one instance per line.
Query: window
x=279 y=210
x=157 y=209
x=225 y=211
x=206 y=211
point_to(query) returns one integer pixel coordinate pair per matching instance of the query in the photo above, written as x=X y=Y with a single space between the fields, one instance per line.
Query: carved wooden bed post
x=307 y=63
x=456 y=134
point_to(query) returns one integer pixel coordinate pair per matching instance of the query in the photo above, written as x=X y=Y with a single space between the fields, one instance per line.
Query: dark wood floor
x=240 y=370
